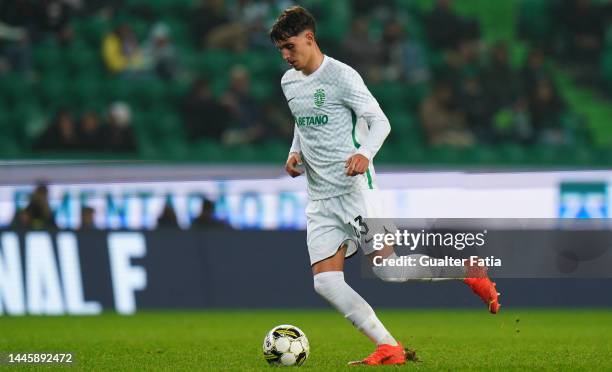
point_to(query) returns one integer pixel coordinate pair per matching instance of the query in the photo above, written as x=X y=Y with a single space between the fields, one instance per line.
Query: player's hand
x=356 y=164
x=293 y=161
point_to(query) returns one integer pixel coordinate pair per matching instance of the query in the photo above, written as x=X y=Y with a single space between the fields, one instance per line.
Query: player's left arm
x=359 y=99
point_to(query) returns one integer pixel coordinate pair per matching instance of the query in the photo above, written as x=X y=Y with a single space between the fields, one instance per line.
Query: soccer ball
x=286 y=345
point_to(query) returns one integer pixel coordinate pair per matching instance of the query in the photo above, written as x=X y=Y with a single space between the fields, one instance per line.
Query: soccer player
x=339 y=128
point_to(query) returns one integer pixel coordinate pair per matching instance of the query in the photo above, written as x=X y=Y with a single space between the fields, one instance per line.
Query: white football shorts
x=339 y=220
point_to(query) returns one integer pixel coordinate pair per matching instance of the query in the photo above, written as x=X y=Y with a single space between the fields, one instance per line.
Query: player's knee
x=320 y=288
x=325 y=282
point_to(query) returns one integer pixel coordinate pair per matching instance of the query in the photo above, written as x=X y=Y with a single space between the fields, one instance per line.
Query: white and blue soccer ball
x=286 y=345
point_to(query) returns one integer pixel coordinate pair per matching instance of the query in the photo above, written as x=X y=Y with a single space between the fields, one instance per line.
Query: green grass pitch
x=231 y=340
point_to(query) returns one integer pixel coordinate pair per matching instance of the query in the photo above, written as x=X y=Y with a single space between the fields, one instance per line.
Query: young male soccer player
x=339 y=128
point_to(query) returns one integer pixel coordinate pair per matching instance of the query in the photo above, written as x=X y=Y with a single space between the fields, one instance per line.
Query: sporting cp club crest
x=319 y=97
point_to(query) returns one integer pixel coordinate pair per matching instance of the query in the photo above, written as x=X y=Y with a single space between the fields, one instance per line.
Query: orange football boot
x=384 y=355
x=478 y=280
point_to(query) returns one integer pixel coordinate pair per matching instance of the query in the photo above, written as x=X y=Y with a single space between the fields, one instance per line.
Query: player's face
x=297 y=50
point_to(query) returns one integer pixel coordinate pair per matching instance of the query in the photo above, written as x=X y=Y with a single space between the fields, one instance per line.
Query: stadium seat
x=534 y=19
x=147 y=93
x=582 y=155
x=389 y=94
x=158 y=8
x=80 y=58
x=115 y=88
x=389 y=153
x=6 y=122
x=9 y=149
x=176 y=90
x=606 y=67
x=215 y=62
x=447 y=155
x=414 y=94
x=161 y=125
x=475 y=155
x=208 y=151
x=546 y=154
x=13 y=87
x=85 y=89
x=168 y=125
x=172 y=148
x=262 y=89
x=54 y=92
x=47 y=56
x=404 y=128
x=92 y=29
x=512 y=154
x=415 y=154
x=242 y=153
x=74 y=76
x=256 y=62
x=219 y=85
x=27 y=121
x=274 y=152
x=179 y=31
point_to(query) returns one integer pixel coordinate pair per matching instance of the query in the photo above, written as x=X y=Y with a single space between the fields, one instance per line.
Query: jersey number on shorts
x=363 y=228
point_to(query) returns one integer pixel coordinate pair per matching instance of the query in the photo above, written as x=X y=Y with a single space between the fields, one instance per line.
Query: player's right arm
x=294 y=159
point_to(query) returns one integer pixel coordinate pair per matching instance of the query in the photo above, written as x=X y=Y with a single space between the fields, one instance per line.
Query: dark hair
x=208 y=205
x=87 y=210
x=291 y=22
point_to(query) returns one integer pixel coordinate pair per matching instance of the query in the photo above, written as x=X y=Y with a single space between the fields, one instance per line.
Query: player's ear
x=310 y=36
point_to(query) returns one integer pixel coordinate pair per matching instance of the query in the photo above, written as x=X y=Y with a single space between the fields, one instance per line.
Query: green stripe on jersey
x=358 y=145
x=354 y=118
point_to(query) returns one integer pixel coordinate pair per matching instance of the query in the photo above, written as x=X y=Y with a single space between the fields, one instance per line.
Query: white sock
x=417 y=273
x=331 y=286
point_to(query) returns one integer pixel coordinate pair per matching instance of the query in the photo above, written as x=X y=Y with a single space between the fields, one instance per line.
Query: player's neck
x=314 y=63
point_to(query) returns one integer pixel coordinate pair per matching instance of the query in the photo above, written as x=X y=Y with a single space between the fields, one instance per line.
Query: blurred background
x=167 y=115
x=464 y=82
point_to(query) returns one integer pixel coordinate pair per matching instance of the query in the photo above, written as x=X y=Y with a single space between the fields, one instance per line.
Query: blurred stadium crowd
x=470 y=82
x=38 y=215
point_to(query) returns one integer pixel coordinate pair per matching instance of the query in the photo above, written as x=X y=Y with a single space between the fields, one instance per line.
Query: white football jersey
x=328 y=107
